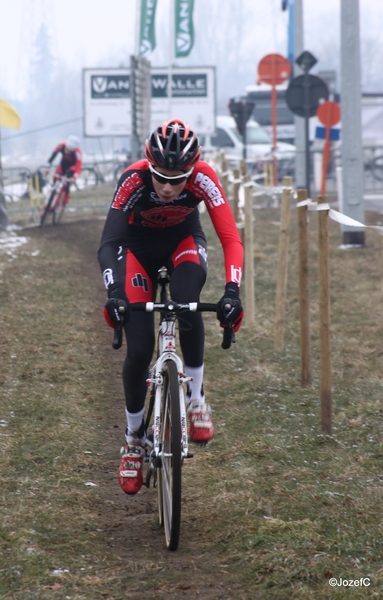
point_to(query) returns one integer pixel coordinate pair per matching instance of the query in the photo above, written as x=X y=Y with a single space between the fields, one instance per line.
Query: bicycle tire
x=46 y=208
x=171 y=463
x=89 y=178
x=119 y=171
x=59 y=207
x=377 y=168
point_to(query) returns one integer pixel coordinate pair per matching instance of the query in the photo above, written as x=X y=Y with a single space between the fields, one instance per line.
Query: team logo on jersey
x=140 y=281
x=125 y=192
x=203 y=252
x=165 y=216
x=108 y=277
x=210 y=188
x=236 y=275
x=157 y=199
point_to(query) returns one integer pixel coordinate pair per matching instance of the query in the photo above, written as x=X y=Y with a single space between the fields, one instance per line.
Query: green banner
x=147 y=27
x=184 y=28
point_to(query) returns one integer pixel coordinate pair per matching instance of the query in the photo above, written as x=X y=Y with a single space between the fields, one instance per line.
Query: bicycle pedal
x=189 y=455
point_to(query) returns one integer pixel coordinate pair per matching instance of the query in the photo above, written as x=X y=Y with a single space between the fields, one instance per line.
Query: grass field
x=272 y=508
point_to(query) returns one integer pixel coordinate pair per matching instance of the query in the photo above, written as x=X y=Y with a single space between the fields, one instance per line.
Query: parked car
x=258 y=146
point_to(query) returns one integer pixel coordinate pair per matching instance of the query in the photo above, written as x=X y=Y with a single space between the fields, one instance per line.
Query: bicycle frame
x=166 y=352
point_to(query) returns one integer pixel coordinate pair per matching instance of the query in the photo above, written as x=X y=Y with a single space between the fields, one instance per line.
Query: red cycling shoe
x=200 y=424
x=130 y=469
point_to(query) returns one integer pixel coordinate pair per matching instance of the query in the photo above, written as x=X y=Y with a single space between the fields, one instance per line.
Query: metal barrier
x=16 y=182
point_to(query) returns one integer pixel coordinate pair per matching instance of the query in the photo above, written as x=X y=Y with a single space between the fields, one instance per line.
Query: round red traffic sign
x=328 y=113
x=274 y=69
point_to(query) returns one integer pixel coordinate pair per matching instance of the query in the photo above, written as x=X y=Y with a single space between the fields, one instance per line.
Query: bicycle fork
x=156 y=381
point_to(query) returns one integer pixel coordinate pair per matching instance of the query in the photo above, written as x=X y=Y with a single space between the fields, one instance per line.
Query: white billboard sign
x=107 y=103
x=107 y=106
x=192 y=99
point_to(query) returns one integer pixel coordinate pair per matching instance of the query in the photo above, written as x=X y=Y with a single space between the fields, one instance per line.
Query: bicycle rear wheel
x=169 y=488
x=377 y=168
x=119 y=171
x=87 y=178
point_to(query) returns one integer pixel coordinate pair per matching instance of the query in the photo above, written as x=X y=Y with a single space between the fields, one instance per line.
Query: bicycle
x=169 y=437
x=90 y=177
x=55 y=203
x=122 y=166
x=377 y=168
x=97 y=173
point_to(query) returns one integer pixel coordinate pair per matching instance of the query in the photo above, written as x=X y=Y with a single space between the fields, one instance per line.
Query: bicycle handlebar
x=228 y=332
x=176 y=308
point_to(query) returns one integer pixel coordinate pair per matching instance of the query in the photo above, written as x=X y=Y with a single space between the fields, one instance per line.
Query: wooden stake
x=304 y=289
x=236 y=195
x=249 y=253
x=324 y=319
x=225 y=176
x=282 y=265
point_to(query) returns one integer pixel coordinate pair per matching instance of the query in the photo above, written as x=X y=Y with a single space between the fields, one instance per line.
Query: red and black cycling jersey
x=137 y=211
x=71 y=162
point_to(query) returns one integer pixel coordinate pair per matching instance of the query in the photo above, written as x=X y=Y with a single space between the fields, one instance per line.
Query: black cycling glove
x=117 y=309
x=229 y=308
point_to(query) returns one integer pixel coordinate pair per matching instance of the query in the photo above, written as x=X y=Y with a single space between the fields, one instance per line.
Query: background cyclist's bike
x=55 y=204
x=166 y=422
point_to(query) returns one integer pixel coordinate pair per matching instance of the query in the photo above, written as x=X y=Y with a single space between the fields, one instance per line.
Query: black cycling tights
x=186 y=284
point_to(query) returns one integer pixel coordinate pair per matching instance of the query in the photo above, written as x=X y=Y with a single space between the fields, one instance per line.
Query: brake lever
x=117 y=336
x=228 y=332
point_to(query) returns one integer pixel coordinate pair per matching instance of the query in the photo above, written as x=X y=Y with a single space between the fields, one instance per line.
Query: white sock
x=195 y=385
x=134 y=420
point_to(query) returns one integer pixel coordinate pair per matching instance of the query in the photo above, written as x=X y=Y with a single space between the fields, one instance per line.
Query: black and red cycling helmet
x=173 y=146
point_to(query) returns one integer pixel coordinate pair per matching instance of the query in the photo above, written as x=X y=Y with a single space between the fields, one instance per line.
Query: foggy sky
x=89 y=33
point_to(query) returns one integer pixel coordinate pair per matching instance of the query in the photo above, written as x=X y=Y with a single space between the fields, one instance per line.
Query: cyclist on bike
x=70 y=163
x=154 y=221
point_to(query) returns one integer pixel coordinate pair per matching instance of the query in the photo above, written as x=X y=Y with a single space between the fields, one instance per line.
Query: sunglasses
x=175 y=180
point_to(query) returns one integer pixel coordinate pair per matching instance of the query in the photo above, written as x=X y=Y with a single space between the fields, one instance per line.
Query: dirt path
x=136 y=562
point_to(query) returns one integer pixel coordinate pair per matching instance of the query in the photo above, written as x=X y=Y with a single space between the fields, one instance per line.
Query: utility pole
x=351 y=103
x=300 y=154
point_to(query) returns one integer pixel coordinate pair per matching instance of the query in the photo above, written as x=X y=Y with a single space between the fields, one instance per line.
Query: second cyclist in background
x=70 y=163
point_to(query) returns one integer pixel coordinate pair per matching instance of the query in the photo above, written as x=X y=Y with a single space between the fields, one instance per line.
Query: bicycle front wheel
x=47 y=208
x=59 y=207
x=171 y=460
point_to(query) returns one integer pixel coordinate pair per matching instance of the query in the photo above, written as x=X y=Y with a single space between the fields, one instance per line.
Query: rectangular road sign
x=320 y=133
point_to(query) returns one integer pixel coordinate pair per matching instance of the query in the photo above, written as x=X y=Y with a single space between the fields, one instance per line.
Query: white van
x=258 y=146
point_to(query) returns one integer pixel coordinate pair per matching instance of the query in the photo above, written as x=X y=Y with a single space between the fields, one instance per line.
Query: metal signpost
x=303 y=97
x=274 y=69
x=328 y=113
x=140 y=103
x=240 y=110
